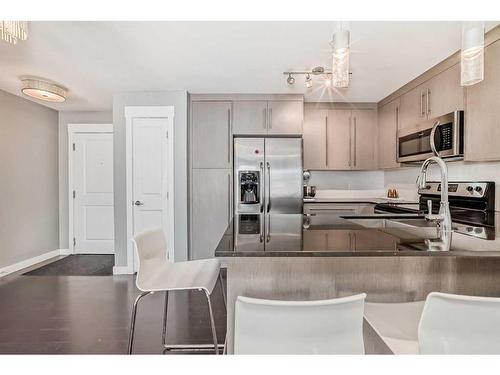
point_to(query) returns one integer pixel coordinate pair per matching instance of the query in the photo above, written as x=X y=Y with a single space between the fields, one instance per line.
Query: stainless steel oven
x=442 y=135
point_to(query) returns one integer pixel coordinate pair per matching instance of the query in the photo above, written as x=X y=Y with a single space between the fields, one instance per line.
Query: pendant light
x=12 y=31
x=472 y=53
x=340 y=58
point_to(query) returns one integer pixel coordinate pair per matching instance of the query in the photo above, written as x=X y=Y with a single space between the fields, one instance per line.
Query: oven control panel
x=459 y=189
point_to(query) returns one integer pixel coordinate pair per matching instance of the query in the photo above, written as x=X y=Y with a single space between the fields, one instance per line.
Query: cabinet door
x=339 y=240
x=339 y=139
x=285 y=117
x=250 y=117
x=364 y=138
x=315 y=139
x=373 y=240
x=387 y=135
x=444 y=94
x=211 y=137
x=211 y=210
x=412 y=110
x=315 y=240
x=482 y=125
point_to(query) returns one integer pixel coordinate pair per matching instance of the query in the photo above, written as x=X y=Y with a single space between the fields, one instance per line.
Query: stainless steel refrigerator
x=268 y=175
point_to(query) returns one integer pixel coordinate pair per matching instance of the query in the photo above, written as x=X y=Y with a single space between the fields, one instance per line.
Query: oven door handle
x=433 y=131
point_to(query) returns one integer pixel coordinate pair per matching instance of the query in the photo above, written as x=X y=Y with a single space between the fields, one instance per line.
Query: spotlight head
x=290 y=80
x=308 y=81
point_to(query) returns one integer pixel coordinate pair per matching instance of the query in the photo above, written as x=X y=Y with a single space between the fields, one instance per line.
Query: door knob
x=139 y=203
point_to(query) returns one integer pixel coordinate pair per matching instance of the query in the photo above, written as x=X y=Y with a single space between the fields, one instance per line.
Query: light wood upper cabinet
x=211 y=134
x=250 y=117
x=387 y=135
x=285 y=117
x=412 y=110
x=262 y=117
x=444 y=93
x=482 y=123
x=339 y=147
x=364 y=139
x=340 y=139
x=437 y=96
x=314 y=138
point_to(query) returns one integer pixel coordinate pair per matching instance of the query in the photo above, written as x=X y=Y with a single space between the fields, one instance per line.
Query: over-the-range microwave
x=442 y=135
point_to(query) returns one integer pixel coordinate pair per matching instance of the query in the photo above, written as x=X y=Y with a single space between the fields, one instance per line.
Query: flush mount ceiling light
x=340 y=58
x=12 y=31
x=43 y=90
x=472 y=53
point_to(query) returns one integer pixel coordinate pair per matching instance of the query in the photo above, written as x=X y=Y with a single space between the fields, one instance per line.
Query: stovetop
x=471 y=208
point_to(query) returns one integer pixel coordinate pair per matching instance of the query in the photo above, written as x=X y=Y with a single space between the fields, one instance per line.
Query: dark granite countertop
x=327 y=235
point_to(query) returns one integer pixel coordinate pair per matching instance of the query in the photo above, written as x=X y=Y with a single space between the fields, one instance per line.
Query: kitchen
x=344 y=227
x=315 y=187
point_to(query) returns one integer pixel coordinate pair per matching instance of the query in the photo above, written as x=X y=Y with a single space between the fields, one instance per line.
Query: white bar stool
x=332 y=326
x=157 y=274
x=458 y=324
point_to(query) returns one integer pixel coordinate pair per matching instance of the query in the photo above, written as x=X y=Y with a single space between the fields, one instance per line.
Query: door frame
x=74 y=129
x=167 y=112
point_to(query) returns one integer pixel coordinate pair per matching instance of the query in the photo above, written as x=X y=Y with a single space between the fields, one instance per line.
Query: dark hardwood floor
x=91 y=315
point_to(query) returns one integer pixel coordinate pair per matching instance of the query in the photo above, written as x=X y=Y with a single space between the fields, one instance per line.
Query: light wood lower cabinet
x=388 y=116
x=348 y=240
x=482 y=123
x=211 y=210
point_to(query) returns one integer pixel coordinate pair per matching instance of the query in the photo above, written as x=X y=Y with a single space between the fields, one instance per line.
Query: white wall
x=179 y=99
x=29 y=216
x=347 y=180
x=65 y=118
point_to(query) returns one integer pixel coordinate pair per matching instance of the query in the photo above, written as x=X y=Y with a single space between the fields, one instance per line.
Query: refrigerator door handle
x=268 y=187
x=262 y=188
x=268 y=231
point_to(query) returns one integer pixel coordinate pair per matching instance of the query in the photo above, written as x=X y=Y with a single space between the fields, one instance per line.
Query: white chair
x=332 y=326
x=156 y=274
x=457 y=324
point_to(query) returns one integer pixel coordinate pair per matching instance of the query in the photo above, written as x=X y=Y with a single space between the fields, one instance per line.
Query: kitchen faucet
x=443 y=218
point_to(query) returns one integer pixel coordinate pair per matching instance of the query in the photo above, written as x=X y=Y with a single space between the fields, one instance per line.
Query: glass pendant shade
x=340 y=59
x=472 y=53
x=12 y=31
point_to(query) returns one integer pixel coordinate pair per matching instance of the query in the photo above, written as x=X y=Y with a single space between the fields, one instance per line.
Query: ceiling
x=96 y=59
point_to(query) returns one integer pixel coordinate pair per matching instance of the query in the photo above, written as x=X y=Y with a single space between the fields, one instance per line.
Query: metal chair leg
x=212 y=323
x=132 y=322
x=223 y=291
x=164 y=332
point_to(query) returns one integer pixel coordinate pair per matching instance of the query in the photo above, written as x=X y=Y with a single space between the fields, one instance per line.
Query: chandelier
x=12 y=31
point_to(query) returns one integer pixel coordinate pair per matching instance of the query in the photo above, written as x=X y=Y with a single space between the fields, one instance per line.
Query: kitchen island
x=311 y=257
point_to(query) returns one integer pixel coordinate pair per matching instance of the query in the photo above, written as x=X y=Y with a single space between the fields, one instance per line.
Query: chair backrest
x=151 y=248
x=457 y=324
x=332 y=326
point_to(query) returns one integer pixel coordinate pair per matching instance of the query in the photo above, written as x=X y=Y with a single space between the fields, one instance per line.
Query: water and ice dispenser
x=249 y=187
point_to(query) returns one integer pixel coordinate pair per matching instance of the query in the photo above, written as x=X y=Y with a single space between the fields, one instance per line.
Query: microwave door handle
x=433 y=144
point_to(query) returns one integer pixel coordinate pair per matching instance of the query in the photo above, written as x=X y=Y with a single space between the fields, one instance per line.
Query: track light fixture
x=309 y=83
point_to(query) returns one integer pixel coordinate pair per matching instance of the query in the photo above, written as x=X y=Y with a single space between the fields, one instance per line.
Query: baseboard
x=122 y=270
x=4 y=271
x=65 y=252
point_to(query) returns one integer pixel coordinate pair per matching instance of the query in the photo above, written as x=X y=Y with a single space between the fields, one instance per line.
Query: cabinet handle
x=355 y=139
x=396 y=135
x=228 y=198
x=350 y=141
x=428 y=100
x=422 y=111
x=229 y=135
x=270 y=118
x=326 y=140
x=265 y=118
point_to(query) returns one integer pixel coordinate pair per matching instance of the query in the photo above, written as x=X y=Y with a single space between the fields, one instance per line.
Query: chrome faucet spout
x=443 y=218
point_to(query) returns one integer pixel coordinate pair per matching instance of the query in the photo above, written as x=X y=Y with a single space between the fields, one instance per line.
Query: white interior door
x=93 y=210
x=149 y=175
